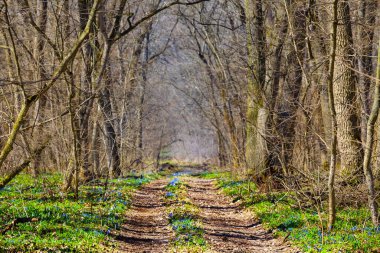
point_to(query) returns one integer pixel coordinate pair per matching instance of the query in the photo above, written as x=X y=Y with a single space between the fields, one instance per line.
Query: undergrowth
x=182 y=215
x=279 y=213
x=62 y=223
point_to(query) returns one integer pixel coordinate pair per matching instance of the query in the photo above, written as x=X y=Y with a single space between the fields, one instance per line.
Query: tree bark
x=140 y=109
x=17 y=170
x=40 y=74
x=274 y=142
x=369 y=147
x=86 y=99
x=345 y=96
x=14 y=172
x=256 y=150
x=297 y=28
x=112 y=149
x=334 y=125
x=367 y=15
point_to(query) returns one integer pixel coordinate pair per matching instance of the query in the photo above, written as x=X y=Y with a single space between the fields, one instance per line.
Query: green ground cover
x=64 y=224
x=278 y=212
x=182 y=216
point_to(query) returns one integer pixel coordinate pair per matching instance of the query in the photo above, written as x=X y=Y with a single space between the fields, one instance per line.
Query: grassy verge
x=278 y=212
x=182 y=217
x=63 y=224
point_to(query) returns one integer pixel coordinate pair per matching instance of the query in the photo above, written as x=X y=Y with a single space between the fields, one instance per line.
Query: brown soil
x=147 y=228
x=228 y=228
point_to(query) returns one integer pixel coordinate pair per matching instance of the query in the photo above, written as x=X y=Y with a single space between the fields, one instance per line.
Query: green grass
x=182 y=218
x=63 y=224
x=353 y=231
x=189 y=235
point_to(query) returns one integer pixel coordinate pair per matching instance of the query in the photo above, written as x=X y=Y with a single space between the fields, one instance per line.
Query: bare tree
x=369 y=146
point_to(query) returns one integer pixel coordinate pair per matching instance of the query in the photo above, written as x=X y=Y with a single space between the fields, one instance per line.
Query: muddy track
x=146 y=228
x=228 y=228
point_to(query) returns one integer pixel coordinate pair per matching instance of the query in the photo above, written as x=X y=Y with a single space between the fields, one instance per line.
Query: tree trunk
x=86 y=99
x=140 y=109
x=367 y=15
x=345 y=96
x=75 y=131
x=297 y=27
x=95 y=150
x=112 y=149
x=256 y=154
x=369 y=147
x=14 y=172
x=334 y=125
x=40 y=75
x=17 y=170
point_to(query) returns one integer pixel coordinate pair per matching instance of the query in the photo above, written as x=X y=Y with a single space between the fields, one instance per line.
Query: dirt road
x=227 y=226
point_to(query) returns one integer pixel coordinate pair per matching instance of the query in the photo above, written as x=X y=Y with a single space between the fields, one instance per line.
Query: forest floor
x=146 y=228
x=216 y=225
x=181 y=209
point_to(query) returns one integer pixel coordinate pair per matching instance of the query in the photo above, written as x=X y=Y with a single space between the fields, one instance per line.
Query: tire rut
x=146 y=228
x=228 y=227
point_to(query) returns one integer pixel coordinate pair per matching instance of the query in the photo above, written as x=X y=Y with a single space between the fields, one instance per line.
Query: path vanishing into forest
x=227 y=226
